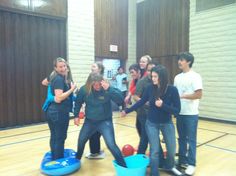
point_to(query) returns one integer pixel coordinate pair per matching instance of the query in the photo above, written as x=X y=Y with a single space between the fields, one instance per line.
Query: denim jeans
x=105 y=127
x=58 y=122
x=143 y=142
x=168 y=131
x=187 y=130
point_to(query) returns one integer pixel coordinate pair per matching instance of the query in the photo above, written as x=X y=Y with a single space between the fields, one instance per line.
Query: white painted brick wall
x=80 y=30
x=213 y=43
x=131 y=35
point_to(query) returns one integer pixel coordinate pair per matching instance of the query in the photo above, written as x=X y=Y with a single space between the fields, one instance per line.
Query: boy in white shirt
x=189 y=85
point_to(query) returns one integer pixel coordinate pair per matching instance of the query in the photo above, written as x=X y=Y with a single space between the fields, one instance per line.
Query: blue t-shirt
x=158 y=115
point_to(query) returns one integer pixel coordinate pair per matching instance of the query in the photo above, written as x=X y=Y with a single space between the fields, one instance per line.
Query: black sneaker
x=183 y=166
x=180 y=165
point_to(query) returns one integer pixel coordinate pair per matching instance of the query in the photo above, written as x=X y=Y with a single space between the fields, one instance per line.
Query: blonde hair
x=149 y=59
x=59 y=59
x=93 y=77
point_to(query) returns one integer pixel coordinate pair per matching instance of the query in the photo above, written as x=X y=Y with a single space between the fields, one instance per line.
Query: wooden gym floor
x=22 y=149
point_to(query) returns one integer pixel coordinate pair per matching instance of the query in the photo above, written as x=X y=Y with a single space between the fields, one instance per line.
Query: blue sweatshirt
x=98 y=103
x=158 y=115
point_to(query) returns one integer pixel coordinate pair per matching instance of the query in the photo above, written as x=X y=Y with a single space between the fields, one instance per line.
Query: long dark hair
x=160 y=89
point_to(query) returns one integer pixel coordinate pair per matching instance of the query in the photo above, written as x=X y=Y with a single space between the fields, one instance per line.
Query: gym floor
x=22 y=149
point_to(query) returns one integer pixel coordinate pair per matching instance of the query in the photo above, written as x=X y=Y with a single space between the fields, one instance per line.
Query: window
x=202 y=5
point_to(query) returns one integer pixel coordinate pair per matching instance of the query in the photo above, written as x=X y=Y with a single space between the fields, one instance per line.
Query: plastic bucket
x=136 y=166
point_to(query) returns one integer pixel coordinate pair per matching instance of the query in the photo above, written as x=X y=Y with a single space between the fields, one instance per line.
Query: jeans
x=143 y=142
x=94 y=143
x=105 y=127
x=58 y=122
x=187 y=130
x=168 y=131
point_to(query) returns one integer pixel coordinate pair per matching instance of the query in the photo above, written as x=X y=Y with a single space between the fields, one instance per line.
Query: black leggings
x=94 y=143
x=138 y=126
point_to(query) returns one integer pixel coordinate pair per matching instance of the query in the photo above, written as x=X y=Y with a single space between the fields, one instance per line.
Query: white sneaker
x=100 y=155
x=190 y=170
x=176 y=171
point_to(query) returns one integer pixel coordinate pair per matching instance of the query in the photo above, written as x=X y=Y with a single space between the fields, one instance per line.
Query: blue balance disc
x=62 y=166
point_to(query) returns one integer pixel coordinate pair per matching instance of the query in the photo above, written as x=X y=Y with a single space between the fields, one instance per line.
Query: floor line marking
x=33 y=139
x=204 y=143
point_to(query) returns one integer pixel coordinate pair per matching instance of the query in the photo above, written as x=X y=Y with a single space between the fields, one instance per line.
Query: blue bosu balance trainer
x=62 y=166
x=136 y=166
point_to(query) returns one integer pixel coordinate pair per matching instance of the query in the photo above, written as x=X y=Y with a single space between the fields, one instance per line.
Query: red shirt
x=132 y=87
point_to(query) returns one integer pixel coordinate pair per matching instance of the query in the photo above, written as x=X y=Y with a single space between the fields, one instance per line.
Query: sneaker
x=176 y=172
x=180 y=165
x=183 y=166
x=190 y=170
x=100 y=155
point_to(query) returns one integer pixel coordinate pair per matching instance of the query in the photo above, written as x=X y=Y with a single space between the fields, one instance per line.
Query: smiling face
x=61 y=68
x=134 y=74
x=143 y=62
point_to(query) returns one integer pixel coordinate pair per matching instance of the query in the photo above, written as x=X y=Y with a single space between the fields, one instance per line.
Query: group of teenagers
x=155 y=102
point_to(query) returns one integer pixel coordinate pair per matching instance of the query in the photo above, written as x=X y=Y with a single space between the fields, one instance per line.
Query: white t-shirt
x=119 y=78
x=188 y=83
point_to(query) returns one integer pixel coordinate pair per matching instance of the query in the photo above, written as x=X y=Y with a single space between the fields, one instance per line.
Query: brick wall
x=80 y=29
x=213 y=43
x=131 y=34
